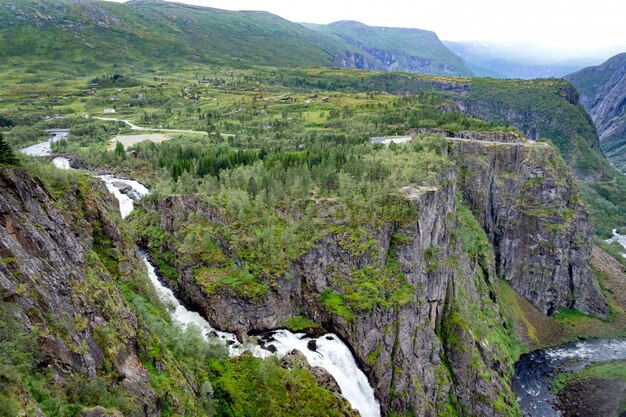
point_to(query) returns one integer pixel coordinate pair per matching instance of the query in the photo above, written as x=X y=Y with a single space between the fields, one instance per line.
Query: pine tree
x=120 y=152
x=6 y=153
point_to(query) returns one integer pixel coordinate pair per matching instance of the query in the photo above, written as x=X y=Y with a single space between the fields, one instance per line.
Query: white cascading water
x=621 y=239
x=334 y=356
x=61 y=163
x=126 y=202
x=331 y=353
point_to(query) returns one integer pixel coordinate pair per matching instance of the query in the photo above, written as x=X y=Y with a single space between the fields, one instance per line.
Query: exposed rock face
x=398 y=345
x=603 y=94
x=395 y=49
x=47 y=271
x=441 y=340
x=528 y=204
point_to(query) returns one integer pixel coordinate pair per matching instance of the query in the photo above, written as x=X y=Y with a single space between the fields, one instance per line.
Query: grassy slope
x=151 y=32
x=542 y=108
x=602 y=386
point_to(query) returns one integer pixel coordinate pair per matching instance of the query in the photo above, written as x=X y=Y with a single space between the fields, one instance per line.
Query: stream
x=45 y=148
x=331 y=353
x=535 y=371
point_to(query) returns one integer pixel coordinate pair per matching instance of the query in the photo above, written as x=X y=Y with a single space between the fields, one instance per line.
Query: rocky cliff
x=418 y=302
x=528 y=204
x=409 y=305
x=55 y=285
x=603 y=94
x=82 y=333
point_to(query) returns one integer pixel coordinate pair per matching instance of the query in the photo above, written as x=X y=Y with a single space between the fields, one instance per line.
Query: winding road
x=151 y=129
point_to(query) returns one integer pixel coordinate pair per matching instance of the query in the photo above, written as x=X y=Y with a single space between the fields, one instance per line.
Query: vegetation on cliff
x=286 y=198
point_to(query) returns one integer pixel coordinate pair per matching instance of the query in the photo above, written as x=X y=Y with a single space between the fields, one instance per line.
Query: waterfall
x=331 y=353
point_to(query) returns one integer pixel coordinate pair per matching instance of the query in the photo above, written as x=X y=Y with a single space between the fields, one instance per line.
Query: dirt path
x=130 y=140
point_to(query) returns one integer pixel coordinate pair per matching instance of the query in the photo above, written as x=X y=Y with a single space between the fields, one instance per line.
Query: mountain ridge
x=603 y=94
x=154 y=32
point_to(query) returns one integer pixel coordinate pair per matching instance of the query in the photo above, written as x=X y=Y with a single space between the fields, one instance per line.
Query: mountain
x=398 y=49
x=603 y=94
x=497 y=61
x=147 y=33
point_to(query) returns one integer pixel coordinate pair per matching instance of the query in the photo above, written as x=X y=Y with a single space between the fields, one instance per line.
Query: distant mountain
x=603 y=93
x=492 y=60
x=84 y=35
x=398 y=49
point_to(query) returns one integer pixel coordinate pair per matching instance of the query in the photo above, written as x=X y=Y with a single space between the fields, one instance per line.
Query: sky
x=563 y=28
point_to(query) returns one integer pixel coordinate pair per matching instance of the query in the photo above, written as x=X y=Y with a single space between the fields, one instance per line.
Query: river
x=535 y=371
x=331 y=353
x=45 y=148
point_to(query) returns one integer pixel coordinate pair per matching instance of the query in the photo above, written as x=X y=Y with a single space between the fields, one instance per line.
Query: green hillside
x=142 y=33
x=399 y=49
x=82 y=36
x=544 y=109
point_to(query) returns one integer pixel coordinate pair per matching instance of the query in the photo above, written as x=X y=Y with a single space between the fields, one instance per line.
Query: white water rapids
x=331 y=353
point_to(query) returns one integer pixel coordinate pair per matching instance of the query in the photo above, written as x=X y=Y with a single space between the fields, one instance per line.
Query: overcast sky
x=574 y=27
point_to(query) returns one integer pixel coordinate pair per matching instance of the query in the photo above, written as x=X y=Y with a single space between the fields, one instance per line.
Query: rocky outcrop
x=51 y=276
x=395 y=49
x=528 y=204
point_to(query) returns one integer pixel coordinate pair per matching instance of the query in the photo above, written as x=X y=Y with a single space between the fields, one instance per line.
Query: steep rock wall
x=411 y=331
x=50 y=274
x=527 y=202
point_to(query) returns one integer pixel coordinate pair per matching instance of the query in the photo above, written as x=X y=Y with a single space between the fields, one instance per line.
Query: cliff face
x=82 y=334
x=528 y=204
x=57 y=288
x=418 y=304
x=603 y=94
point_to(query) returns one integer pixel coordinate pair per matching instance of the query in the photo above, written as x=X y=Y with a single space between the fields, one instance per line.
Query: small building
x=22 y=103
x=115 y=98
x=34 y=96
x=88 y=91
x=325 y=100
x=108 y=111
x=54 y=100
x=119 y=90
